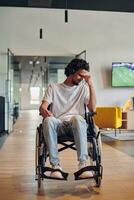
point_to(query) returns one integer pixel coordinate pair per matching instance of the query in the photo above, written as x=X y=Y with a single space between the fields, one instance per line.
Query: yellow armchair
x=108 y=117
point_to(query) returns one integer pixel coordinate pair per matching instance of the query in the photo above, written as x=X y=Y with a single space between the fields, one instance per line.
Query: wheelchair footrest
x=48 y=169
x=79 y=172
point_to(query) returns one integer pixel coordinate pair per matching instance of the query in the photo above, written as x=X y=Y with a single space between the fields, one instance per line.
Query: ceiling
x=102 y=5
x=22 y=26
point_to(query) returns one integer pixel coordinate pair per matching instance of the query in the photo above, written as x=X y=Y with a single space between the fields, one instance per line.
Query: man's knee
x=49 y=121
x=77 y=120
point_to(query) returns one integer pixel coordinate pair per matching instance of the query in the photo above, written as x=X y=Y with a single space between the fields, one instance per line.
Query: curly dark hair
x=75 y=65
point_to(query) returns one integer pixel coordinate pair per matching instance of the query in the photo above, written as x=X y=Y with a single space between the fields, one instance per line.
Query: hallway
x=17 y=170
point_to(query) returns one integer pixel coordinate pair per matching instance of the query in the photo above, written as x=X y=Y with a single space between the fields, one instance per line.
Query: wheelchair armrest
x=89 y=118
x=91 y=114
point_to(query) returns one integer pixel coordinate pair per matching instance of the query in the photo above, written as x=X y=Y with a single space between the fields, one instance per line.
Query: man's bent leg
x=80 y=136
x=79 y=127
x=50 y=125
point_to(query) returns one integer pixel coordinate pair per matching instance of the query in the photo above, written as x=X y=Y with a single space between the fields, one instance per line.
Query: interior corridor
x=17 y=170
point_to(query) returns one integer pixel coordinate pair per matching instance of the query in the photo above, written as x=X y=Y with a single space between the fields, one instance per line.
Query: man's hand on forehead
x=83 y=73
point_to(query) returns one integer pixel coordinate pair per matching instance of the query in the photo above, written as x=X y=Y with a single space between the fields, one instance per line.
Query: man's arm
x=92 y=100
x=44 y=110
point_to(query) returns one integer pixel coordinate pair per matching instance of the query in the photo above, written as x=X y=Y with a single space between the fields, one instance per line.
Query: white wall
x=106 y=36
x=60 y=75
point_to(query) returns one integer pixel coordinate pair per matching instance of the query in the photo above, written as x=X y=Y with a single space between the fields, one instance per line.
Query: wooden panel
x=124 y=120
x=130 y=120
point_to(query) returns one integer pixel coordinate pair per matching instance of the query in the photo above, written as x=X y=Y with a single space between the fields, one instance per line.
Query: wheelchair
x=94 y=153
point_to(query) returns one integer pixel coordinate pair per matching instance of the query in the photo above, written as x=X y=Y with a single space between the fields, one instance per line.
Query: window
x=35 y=95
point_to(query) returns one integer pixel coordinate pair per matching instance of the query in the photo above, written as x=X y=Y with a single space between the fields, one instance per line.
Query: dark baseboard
x=3 y=136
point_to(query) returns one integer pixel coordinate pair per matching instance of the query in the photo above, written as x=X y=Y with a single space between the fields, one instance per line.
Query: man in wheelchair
x=67 y=113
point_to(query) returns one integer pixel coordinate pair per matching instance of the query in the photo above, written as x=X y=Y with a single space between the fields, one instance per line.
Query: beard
x=76 y=82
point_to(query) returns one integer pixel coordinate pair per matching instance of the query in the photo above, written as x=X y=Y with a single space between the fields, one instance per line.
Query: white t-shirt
x=67 y=101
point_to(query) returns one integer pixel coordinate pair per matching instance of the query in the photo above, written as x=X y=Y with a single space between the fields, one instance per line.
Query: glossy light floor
x=17 y=170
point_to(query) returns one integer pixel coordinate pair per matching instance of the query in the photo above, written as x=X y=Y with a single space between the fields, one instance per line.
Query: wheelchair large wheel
x=37 y=160
x=95 y=159
x=98 y=181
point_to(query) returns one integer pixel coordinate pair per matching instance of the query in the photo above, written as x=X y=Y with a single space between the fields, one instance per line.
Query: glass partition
x=9 y=92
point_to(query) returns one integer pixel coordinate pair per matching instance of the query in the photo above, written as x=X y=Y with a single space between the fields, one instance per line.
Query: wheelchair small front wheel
x=98 y=181
x=99 y=176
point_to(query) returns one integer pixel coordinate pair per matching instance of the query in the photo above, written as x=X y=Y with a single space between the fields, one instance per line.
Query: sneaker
x=56 y=174
x=85 y=174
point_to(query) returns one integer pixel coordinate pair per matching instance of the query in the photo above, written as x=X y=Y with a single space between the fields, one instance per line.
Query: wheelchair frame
x=94 y=152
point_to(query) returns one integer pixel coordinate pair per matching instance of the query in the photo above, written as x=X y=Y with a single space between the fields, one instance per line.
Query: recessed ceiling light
x=30 y=62
x=37 y=62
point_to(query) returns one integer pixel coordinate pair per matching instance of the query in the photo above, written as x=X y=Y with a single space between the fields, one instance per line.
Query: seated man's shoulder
x=55 y=86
